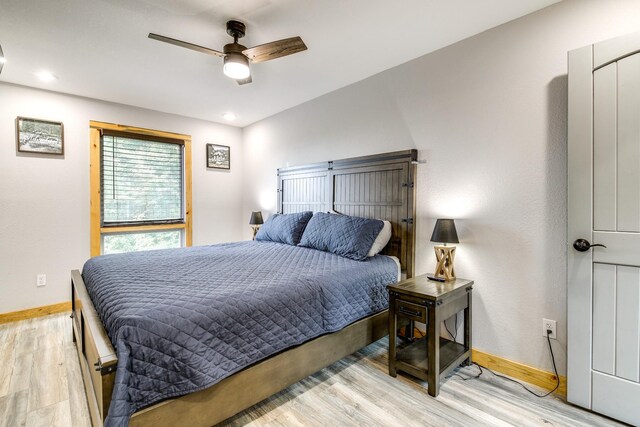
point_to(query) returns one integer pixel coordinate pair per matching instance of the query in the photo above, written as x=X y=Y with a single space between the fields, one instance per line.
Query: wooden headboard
x=379 y=186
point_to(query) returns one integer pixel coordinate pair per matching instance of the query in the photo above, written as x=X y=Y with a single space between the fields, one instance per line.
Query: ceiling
x=99 y=48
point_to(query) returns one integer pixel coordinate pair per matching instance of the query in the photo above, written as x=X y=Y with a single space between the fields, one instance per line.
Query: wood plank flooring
x=40 y=379
x=41 y=385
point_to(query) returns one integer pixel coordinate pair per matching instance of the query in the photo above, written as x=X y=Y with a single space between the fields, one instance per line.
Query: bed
x=335 y=305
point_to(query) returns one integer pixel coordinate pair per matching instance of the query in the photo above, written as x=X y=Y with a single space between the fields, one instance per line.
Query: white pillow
x=381 y=241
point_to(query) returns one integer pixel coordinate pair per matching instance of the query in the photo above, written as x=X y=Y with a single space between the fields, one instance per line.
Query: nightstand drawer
x=411 y=311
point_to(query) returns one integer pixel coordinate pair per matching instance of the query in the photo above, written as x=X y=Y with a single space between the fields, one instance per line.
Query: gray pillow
x=284 y=228
x=347 y=236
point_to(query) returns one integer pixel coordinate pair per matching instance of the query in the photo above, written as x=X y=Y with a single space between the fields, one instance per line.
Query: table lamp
x=445 y=232
x=255 y=222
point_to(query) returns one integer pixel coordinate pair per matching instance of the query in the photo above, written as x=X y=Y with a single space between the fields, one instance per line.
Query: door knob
x=583 y=245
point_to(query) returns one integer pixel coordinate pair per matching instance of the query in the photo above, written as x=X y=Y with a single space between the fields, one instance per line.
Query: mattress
x=182 y=320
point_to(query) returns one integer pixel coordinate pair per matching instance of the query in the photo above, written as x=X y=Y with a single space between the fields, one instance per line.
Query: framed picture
x=218 y=156
x=39 y=136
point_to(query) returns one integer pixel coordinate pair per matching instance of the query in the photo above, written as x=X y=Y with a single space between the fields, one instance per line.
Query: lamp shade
x=445 y=232
x=256 y=218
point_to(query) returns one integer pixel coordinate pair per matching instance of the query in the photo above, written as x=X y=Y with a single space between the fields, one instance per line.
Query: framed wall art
x=39 y=136
x=218 y=156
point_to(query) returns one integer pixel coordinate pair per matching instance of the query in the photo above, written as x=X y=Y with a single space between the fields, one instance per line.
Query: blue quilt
x=181 y=320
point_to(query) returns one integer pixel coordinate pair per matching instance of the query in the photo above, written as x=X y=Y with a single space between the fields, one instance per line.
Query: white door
x=603 y=294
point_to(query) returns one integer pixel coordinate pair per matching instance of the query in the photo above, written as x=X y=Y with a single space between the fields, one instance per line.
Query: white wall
x=489 y=115
x=44 y=200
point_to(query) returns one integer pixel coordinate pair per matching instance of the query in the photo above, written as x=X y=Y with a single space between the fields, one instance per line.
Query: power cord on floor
x=555 y=371
x=475 y=377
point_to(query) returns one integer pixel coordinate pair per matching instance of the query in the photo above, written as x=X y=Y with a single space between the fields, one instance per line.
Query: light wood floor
x=40 y=385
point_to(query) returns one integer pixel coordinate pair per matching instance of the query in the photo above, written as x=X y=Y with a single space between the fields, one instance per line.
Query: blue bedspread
x=181 y=320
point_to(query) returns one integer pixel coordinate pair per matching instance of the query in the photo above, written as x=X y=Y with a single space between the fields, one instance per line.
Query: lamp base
x=255 y=230
x=444 y=257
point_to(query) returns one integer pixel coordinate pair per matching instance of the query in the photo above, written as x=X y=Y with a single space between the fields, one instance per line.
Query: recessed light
x=46 y=76
x=2 y=60
x=229 y=116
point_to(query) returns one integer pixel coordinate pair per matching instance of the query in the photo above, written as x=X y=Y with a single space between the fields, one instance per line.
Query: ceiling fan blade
x=244 y=81
x=191 y=46
x=273 y=50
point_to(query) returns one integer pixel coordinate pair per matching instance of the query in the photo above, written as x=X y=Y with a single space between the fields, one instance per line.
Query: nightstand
x=432 y=357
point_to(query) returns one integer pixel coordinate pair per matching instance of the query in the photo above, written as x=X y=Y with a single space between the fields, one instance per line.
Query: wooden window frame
x=96 y=129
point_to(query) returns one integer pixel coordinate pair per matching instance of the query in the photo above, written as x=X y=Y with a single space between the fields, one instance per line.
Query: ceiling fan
x=236 y=56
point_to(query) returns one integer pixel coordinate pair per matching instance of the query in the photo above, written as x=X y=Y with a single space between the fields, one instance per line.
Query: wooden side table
x=422 y=300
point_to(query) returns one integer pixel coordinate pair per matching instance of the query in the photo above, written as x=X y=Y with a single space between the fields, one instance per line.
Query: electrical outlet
x=549 y=324
x=41 y=280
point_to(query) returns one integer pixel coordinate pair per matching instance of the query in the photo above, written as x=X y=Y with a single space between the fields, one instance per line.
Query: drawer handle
x=403 y=310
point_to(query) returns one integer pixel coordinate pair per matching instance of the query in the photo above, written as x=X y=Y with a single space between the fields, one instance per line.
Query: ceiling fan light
x=236 y=66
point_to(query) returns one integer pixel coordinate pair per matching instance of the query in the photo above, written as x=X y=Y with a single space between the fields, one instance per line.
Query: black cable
x=475 y=377
x=404 y=333
x=555 y=370
x=447 y=328
x=453 y=336
x=455 y=330
x=419 y=331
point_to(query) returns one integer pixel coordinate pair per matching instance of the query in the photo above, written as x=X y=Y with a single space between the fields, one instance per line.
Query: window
x=140 y=189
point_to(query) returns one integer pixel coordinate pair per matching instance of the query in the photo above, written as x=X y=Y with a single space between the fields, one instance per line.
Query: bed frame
x=379 y=186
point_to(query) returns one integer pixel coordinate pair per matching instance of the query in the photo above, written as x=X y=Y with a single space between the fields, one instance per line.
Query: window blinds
x=142 y=181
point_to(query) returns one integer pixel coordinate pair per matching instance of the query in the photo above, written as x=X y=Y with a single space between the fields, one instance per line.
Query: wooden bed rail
x=98 y=363
x=97 y=357
x=257 y=382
